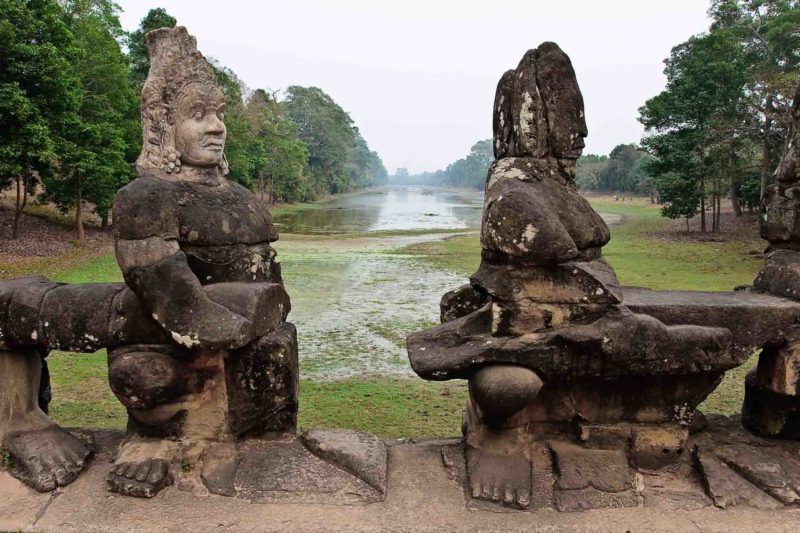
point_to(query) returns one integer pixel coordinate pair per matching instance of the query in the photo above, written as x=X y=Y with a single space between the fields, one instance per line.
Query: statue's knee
x=143 y=380
x=502 y=390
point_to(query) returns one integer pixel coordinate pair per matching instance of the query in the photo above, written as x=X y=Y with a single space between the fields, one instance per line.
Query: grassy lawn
x=397 y=407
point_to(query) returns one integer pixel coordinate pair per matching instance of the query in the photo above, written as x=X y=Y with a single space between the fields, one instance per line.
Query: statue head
x=182 y=107
x=539 y=108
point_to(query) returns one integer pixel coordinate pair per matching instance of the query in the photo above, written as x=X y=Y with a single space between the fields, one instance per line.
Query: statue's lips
x=213 y=146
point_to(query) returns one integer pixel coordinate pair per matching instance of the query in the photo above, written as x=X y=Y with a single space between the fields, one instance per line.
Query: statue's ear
x=223 y=167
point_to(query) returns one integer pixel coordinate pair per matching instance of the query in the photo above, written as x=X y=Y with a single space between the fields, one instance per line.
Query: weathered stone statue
x=540 y=332
x=199 y=350
x=179 y=227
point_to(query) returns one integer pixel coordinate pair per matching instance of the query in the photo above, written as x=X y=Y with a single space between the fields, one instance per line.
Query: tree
x=690 y=122
x=766 y=31
x=92 y=153
x=681 y=197
x=616 y=176
x=282 y=174
x=244 y=152
x=339 y=158
x=39 y=92
x=588 y=170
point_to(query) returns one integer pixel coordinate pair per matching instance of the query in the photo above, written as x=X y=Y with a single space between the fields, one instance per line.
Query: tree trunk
x=104 y=221
x=702 y=206
x=22 y=200
x=714 y=208
x=735 y=204
x=78 y=216
x=768 y=108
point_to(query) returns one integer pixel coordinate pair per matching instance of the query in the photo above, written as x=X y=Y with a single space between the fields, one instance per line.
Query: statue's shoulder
x=238 y=189
x=145 y=208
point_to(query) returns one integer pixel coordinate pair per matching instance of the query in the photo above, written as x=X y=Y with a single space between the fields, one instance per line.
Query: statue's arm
x=156 y=269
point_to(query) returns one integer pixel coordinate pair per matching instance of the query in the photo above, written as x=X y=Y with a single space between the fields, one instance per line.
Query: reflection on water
x=391 y=208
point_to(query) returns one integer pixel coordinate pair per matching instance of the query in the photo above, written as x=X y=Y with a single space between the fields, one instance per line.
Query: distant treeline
x=469 y=172
x=620 y=171
x=70 y=83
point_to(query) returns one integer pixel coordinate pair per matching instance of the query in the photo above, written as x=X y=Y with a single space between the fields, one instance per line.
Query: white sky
x=418 y=77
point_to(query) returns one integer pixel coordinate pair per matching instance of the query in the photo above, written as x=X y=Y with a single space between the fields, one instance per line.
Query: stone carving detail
x=542 y=333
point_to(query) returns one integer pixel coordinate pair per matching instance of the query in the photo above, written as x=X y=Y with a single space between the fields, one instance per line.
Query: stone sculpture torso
x=222 y=228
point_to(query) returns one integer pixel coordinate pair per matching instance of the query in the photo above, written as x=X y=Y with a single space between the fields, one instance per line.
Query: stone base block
x=769 y=413
x=649 y=447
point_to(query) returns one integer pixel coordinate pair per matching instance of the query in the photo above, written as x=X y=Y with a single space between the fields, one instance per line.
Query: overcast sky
x=418 y=76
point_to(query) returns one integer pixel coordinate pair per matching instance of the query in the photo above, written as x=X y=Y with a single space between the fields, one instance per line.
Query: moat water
x=356 y=290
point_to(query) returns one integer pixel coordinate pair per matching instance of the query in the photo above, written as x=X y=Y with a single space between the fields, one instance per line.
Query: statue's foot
x=46 y=458
x=498 y=474
x=141 y=469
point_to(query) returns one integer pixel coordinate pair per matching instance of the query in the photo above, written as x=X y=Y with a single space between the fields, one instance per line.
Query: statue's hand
x=214 y=326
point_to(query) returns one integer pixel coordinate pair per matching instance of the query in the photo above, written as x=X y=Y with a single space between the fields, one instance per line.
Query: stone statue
x=199 y=350
x=540 y=332
x=772 y=390
x=181 y=226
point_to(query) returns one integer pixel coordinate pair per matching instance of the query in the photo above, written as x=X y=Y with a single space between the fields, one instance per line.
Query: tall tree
x=244 y=152
x=39 y=92
x=702 y=101
x=283 y=172
x=767 y=33
x=338 y=160
x=92 y=154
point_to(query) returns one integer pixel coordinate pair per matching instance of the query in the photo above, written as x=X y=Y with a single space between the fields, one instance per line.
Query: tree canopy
x=722 y=119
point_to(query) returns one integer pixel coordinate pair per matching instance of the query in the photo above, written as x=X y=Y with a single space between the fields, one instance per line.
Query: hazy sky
x=418 y=77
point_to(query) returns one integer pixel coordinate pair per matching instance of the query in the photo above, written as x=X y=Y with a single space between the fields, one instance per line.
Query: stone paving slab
x=421 y=496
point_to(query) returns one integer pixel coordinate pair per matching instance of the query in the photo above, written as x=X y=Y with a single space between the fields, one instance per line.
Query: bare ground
x=41 y=241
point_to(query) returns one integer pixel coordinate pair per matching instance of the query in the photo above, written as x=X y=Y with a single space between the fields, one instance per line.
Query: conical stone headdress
x=175 y=64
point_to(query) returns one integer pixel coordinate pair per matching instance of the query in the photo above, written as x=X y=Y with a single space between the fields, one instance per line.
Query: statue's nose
x=215 y=126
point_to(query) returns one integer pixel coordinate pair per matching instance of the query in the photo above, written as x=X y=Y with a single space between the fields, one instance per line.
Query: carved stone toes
x=140 y=479
x=47 y=458
x=504 y=479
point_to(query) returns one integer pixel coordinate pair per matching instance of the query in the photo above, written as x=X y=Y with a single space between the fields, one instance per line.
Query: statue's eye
x=221 y=115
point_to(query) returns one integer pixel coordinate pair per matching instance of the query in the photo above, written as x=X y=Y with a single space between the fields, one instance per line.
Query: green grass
x=460 y=254
x=384 y=406
x=646 y=261
x=103 y=269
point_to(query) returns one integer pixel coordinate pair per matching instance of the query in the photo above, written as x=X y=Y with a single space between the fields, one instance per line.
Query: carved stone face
x=199 y=127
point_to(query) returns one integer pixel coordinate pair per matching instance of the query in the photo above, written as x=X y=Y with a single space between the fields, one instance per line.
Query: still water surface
x=394 y=208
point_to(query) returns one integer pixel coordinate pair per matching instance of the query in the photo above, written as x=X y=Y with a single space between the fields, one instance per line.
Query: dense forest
x=70 y=79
